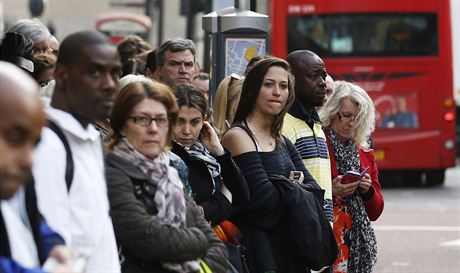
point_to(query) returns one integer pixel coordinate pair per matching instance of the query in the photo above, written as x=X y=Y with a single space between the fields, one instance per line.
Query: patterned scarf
x=363 y=244
x=197 y=150
x=169 y=196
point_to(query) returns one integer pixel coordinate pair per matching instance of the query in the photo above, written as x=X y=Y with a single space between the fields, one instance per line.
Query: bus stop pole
x=160 y=21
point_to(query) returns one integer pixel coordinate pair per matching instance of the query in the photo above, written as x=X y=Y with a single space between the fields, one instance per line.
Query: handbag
x=230 y=234
x=310 y=232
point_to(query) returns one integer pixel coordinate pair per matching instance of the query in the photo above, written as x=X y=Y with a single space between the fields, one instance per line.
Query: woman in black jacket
x=217 y=184
x=158 y=227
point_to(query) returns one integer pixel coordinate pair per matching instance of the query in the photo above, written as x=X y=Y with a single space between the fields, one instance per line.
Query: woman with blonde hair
x=226 y=101
x=349 y=119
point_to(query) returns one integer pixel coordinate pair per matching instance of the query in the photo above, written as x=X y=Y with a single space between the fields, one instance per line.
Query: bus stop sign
x=236 y=37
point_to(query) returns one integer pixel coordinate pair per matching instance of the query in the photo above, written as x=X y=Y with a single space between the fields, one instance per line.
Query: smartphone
x=296 y=176
x=351 y=176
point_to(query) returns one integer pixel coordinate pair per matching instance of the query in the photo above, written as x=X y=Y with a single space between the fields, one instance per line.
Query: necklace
x=261 y=133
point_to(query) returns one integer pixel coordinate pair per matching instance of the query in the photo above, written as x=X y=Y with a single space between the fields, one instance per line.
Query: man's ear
x=147 y=72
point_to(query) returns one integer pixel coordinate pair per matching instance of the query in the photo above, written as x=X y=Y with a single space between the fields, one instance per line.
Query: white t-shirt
x=20 y=237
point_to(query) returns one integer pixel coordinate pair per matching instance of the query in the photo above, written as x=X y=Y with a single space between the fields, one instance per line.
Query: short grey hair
x=365 y=119
x=33 y=29
x=175 y=45
x=127 y=79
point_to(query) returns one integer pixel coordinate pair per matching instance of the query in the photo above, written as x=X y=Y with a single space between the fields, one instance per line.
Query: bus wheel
x=435 y=177
x=412 y=178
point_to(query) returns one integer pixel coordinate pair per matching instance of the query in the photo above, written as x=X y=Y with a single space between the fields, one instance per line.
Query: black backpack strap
x=4 y=242
x=69 y=159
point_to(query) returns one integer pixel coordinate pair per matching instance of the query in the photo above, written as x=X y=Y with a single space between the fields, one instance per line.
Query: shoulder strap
x=283 y=142
x=4 y=242
x=69 y=170
x=244 y=126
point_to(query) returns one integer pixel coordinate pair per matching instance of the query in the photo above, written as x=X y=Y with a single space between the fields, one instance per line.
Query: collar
x=307 y=114
x=68 y=123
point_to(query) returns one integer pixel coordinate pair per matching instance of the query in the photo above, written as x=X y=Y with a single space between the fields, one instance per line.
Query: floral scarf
x=169 y=196
x=363 y=243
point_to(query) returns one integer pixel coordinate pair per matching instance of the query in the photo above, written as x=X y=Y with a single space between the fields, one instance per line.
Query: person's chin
x=151 y=153
x=102 y=114
x=183 y=81
x=185 y=142
x=9 y=188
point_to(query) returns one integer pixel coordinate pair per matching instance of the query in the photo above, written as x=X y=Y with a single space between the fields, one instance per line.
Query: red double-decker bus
x=120 y=24
x=400 y=51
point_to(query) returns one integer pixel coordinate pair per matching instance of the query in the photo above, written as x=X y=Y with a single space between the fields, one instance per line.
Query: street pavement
x=419 y=230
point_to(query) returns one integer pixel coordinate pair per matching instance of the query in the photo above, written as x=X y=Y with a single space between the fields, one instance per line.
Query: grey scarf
x=169 y=196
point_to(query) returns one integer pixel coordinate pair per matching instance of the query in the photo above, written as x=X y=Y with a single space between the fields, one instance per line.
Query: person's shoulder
x=176 y=162
x=237 y=141
x=50 y=145
x=366 y=151
x=292 y=121
x=117 y=166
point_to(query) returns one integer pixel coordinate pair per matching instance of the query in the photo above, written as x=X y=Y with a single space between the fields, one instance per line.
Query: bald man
x=21 y=120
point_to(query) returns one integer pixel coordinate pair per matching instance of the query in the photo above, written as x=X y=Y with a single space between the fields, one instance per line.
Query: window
x=365 y=35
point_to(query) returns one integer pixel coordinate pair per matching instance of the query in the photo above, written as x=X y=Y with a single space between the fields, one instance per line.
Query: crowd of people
x=113 y=160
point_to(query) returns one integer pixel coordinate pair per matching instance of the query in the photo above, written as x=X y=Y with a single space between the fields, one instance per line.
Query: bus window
x=364 y=35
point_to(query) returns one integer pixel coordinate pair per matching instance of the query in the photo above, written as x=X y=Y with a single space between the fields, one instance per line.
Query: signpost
x=236 y=36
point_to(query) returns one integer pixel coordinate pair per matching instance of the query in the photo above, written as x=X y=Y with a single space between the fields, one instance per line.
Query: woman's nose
x=186 y=129
x=276 y=90
x=153 y=127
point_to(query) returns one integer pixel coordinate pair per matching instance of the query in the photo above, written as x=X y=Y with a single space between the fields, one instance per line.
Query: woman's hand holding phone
x=341 y=190
x=210 y=140
x=365 y=183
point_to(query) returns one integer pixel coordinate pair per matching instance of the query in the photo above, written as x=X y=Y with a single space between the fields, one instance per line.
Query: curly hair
x=364 y=123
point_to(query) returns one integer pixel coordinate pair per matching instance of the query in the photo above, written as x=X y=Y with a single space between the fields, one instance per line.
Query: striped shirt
x=312 y=147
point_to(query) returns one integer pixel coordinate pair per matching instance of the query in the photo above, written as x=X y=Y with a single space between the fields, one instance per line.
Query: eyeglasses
x=147 y=121
x=346 y=118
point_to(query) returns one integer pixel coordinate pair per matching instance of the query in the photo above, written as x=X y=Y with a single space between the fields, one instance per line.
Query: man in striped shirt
x=302 y=124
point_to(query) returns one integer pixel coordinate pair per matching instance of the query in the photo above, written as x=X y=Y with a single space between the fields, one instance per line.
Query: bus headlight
x=449 y=144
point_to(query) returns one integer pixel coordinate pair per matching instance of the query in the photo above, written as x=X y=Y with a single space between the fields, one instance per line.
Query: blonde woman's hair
x=227 y=95
x=364 y=123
